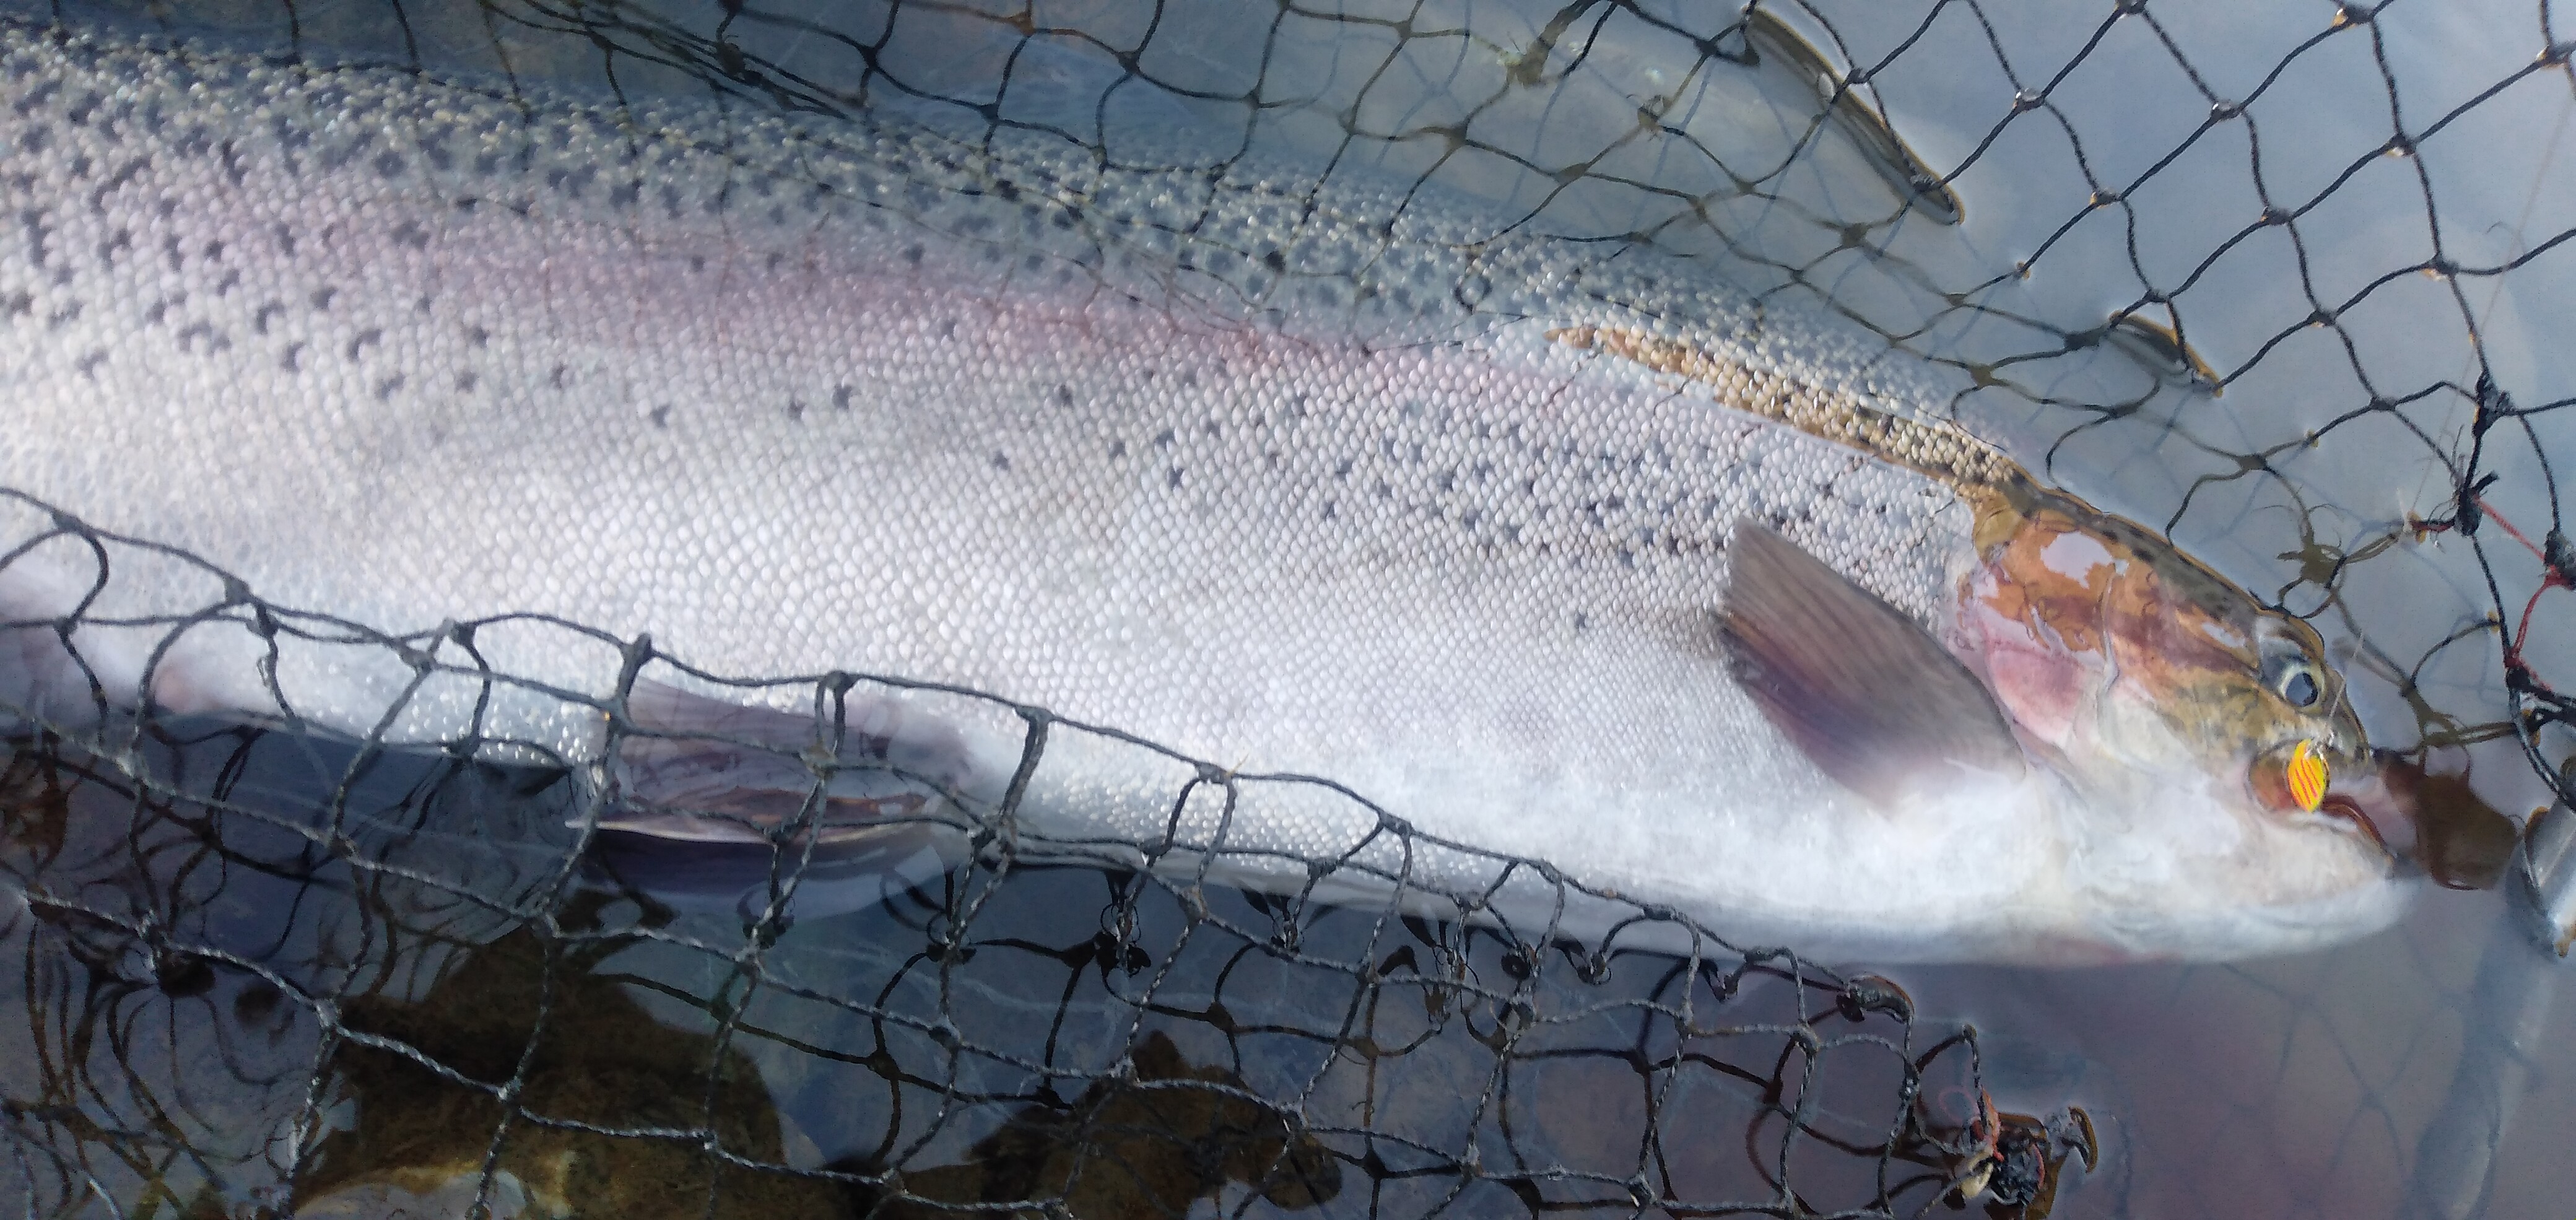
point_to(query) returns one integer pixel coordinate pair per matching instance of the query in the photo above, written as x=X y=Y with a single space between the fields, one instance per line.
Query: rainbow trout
x=1589 y=562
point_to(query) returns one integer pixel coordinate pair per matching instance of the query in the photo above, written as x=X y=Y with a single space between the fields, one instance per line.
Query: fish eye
x=2291 y=677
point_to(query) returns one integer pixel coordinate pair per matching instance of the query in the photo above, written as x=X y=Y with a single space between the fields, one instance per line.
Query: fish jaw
x=2363 y=792
x=2176 y=858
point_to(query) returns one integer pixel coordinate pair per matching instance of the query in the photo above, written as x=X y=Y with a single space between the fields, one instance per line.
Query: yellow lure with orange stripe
x=2307 y=776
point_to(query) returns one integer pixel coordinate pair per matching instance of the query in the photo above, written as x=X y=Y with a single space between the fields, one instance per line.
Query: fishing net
x=2283 y=287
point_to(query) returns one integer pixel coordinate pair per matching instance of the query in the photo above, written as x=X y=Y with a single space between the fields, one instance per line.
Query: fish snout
x=2362 y=793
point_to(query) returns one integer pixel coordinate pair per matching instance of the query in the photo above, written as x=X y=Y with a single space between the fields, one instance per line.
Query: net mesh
x=2284 y=288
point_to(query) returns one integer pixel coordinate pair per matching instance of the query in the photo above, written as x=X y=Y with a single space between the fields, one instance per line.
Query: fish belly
x=856 y=398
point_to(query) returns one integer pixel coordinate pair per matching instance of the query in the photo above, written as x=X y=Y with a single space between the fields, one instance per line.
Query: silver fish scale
x=795 y=398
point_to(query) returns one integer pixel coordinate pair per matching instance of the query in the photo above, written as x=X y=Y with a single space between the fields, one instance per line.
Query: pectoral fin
x=706 y=770
x=1869 y=696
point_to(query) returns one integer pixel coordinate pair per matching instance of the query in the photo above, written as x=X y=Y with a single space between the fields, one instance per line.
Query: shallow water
x=179 y=955
x=2357 y=1082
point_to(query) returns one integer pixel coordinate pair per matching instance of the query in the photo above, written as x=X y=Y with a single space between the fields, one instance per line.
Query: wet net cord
x=1690 y=1002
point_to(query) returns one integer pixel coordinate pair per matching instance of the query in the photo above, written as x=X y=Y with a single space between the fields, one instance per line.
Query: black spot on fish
x=948 y=329
x=259 y=317
x=322 y=297
x=388 y=165
x=1064 y=396
x=626 y=195
x=1176 y=476
x=365 y=339
x=697 y=264
x=775 y=259
x=478 y=336
x=661 y=416
x=912 y=255
x=572 y=182
x=409 y=233
x=796 y=410
x=466 y=381
x=333 y=156
x=293 y=360
x=160 y=309
x=385 y=388
x=1117 y=449
x=88 y=363
x=1001 y=461
x=840 y=398
x=561 y=377
x=37 y=231
x=38 y=96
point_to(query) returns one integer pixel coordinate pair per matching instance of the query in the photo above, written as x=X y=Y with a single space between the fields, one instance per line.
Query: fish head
x=2134 y=670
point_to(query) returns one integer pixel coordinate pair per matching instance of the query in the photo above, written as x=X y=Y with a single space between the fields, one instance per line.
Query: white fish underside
x=799 y=399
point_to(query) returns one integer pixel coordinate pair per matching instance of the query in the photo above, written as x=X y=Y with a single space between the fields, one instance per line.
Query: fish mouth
x=2376 y=811
x=2372 y=794
x=2428 y=823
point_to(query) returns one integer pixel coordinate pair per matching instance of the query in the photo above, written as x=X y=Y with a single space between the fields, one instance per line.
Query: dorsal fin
x=1940 y=450
x=1868 y=695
